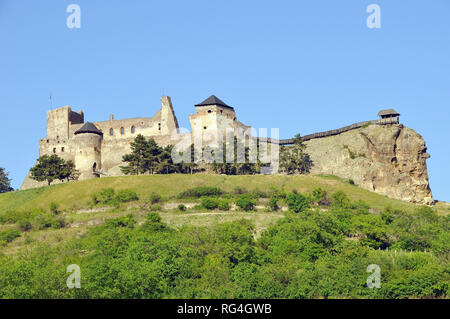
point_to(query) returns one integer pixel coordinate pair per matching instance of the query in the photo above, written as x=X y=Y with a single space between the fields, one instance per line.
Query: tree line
x=148 y=157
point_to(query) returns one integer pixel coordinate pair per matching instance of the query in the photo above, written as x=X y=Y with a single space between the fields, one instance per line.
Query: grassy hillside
x=144 y=238
x=74 y=199
x=77 y=194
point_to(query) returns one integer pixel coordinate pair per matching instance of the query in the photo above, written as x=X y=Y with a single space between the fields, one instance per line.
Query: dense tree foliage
x=240 y=164
x=5 y=182
x=145 y=156
x=314 y=253
x=52 y=167
x=148 y=157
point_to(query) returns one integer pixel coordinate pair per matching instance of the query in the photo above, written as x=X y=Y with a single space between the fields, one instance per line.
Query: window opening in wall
x=209 y=111
x=221 y=112
x=62 y=149
x=94 y=167
x=204 y=127
x=122 y=131
x=159 y=126
x=111 y=132
x=54 y=150
x=133 y=129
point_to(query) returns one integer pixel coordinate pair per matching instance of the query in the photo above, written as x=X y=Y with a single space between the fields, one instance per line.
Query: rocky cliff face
x=387 y=159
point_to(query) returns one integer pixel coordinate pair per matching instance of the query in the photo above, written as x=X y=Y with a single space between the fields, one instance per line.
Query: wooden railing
x=386 y=121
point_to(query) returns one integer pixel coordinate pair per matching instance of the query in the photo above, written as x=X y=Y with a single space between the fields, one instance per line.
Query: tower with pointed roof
x=212 y=116
x=88 y=152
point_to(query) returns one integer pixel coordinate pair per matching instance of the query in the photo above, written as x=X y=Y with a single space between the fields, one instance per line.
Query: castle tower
x=212 y=116
x=60 y=120
x=88 y=158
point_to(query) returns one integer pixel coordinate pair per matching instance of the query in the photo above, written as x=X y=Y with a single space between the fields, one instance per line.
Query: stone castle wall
x=107 y=151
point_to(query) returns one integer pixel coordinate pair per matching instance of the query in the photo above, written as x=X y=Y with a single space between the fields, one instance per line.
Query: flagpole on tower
x=51 y=102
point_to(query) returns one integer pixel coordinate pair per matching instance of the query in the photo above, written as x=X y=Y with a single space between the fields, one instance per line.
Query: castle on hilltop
x=379 y=155
x=97 y=148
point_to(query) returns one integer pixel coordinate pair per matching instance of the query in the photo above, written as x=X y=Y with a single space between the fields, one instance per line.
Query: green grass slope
x=78 y=194
x=140 y=239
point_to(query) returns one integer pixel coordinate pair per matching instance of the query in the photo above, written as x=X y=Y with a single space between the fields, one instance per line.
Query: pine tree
x=147 y=157
x=294 y=159
x=137 y=159
x=5 y=182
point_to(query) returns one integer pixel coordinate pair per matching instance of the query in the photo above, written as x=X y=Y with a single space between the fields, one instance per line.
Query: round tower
x=88 y=156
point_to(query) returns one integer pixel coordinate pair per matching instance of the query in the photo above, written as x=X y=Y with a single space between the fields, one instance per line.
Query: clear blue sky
x=302 y=66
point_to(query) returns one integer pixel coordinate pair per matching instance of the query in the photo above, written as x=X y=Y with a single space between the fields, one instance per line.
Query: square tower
x=212 y=116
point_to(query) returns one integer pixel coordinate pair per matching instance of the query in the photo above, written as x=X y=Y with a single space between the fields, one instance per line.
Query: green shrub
x=273 y=204
x=245 y=202
x=126 y=195
x=153 y=223
x=200 y=192
x=427 y=214
x=279 y=194
x=105 y=196
x=9 y=235
x=10 y=217
x=123 y=221
x=156 y=207
x=47 y=220
x=54 y=208
x=155 y=198
x=34 y=218
x=256 y=194
x=153 y=218
x=24 y=224
x=340 y=200
x=224 y=205
x=319 y=195
x=181 y=208
x=210 y=202
x=297 y=202
x=387 y=215
x=360 y=206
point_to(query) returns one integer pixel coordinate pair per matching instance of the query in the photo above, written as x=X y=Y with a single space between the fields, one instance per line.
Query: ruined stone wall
x=61 y=147
x=59 y=120
x=169 y=122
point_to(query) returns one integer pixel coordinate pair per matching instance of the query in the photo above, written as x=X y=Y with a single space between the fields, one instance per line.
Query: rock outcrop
x=386 y=159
